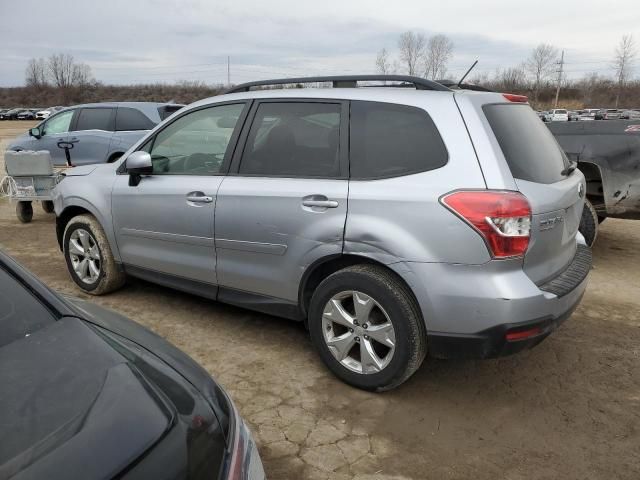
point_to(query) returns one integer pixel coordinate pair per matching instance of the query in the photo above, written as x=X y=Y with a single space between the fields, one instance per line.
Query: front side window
x=389 y=140
x=58 y=124
x=196 y=143
x=95 y=119
x=294 y=139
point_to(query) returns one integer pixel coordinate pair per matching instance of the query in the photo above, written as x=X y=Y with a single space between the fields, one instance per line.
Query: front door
x=165 y=224
x=55 y=131
x=284 y=204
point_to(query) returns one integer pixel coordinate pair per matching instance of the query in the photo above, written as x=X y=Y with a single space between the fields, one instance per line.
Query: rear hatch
x=540 y=171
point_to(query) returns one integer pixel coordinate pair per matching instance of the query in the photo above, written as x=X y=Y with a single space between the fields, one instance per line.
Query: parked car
x=461 y=236
x=542 y=115
x=11 y=114
x=28 y=114
x=608 y=154
x=93 y=133
x=608 y=114
x=588 y=114
x=44 y=114
x=630 y=114
x=87 y=390
x=573 y=115
x=558 y=115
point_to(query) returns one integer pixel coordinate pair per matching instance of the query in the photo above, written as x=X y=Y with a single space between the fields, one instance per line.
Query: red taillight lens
x=512 y=97
x=502 y=218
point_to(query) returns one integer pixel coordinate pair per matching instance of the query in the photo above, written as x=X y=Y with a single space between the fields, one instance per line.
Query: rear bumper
x=468 y=310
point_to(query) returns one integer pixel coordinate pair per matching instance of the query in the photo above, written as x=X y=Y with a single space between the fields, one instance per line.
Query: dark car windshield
x=529 y=148
x=21 y=313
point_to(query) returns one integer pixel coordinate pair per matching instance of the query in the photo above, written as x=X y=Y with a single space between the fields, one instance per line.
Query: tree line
x=538 y=76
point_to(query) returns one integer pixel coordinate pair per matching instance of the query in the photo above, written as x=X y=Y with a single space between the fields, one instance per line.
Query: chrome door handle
x=199 y=198
x=320 y=203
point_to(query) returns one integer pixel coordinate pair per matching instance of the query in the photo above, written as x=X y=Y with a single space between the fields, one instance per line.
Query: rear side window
x=294 y=139
x=95 y=119
x=132 y=119
x=21 y=313
x=389 y=140
x=527 y=144
x=167 y=110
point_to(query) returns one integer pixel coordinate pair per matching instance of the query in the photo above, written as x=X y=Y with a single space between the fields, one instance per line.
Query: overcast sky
x=131 y=41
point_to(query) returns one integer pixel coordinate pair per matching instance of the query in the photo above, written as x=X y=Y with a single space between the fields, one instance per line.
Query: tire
x=392 y=304
x=24 y=211
x=601 y=219
x=108 y=277
x=589 y=223
x=47 y=206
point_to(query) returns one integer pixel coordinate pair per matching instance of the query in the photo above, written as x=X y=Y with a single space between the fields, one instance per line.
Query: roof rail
x=344 y=81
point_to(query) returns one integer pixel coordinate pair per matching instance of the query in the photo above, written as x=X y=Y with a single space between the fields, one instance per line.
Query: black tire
x=24 y=211
x=601 y=219
x=111 y=277
x=403 y=312
x=589 y=223
x=47 y=206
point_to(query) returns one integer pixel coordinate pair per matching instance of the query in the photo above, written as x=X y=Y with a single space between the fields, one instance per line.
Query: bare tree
x=383 y=62
x=412 y=47
x=438 y=53
x=65 y=72
x=623 y=62
x=36 y=73
x=511 y=79
x=540 y=65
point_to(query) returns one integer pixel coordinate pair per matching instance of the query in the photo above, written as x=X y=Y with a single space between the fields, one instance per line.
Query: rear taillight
x=512 y=97
x=502 y=218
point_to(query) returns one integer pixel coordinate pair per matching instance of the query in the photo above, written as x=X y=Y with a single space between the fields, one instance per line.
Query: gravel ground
x=570 y=408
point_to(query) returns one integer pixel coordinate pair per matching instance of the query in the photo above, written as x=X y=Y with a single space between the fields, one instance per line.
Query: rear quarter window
x=529 y=148
x=388 y=140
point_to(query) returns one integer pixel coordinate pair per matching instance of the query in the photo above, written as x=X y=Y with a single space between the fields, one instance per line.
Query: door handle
x=199 y=198
x=320 y=203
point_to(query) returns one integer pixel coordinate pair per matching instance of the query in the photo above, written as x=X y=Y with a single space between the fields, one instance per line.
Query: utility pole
x=228 y=71
x=560 y=71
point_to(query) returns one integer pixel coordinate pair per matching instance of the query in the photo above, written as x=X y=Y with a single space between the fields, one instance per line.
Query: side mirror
x=137 y=164
x=35 y=132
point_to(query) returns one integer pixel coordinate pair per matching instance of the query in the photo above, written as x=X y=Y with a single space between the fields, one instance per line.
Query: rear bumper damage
x=497 y=310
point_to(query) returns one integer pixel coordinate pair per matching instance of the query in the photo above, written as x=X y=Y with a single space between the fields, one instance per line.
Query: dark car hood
x=69 y=403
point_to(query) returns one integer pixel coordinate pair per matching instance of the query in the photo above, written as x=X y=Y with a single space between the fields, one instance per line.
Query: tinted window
x=167 y=110
x=390 y=140
x=196 y=143
x=95 y=119
x=20 y=312
x=527 y=144
x=132 y=119
x=58 y=124
x=294 y=140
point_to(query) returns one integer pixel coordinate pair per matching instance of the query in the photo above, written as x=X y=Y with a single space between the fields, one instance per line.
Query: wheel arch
x=63 y=219
x=322 y=268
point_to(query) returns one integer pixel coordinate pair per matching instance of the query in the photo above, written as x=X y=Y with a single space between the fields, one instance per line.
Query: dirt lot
x=568 y=409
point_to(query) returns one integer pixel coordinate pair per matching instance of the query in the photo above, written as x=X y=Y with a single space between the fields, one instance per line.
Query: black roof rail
x=344 y=81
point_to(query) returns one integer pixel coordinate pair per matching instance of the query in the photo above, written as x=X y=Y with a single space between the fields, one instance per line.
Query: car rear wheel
x=367 y=327
x=89 y=258
x=589 y=223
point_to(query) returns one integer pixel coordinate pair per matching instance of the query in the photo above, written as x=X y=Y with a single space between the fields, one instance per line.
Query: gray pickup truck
x=608 y=154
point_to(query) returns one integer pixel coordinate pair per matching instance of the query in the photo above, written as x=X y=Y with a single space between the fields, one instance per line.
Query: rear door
x=284 y=204
x=91 y=135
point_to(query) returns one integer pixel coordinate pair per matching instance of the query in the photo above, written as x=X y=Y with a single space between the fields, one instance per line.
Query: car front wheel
x=367 y=327
x=89 y=258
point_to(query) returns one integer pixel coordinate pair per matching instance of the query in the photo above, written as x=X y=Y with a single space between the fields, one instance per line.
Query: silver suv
x=395 y=222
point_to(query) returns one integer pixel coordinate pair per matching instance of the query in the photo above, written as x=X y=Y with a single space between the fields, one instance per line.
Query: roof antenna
x=468 y=72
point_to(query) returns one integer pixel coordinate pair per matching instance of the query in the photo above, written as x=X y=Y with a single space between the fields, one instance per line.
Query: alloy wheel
x=358 y=332
x=85 y=256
